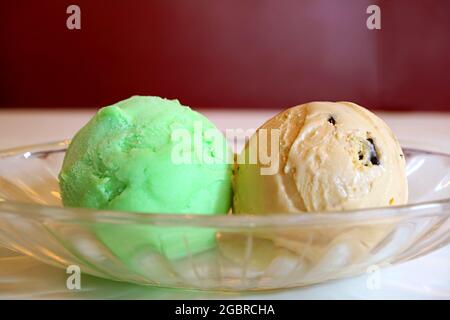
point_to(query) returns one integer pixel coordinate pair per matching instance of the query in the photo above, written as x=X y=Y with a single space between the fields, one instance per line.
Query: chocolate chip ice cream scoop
x=330 y=156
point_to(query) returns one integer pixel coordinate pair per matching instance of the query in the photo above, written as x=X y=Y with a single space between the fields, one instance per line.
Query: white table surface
x=22 y=277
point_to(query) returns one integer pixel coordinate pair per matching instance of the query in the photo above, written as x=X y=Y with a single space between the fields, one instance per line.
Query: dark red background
x=226 y=53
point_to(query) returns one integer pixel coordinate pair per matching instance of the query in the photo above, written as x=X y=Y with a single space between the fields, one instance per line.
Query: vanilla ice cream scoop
x=327 y=156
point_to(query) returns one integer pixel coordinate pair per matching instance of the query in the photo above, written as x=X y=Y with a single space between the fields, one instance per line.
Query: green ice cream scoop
x=152 y=155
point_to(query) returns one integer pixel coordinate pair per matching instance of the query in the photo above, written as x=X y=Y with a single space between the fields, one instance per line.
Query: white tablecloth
x=427 y=277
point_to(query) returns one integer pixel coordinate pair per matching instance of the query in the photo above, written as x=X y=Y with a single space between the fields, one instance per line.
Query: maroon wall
x=233 y=53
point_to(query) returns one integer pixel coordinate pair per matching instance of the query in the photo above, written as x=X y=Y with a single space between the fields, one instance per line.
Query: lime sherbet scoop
x=151 y=155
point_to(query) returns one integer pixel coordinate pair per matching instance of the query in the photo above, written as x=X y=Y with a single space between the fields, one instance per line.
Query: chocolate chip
x=332 y=120
x=374 y=160
x=373 y=153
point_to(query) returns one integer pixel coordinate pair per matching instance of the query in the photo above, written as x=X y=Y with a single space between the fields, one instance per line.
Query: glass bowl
x=242 y=252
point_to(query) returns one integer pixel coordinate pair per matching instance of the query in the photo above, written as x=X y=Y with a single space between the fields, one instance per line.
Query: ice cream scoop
x=151 y=155
x=330 y=156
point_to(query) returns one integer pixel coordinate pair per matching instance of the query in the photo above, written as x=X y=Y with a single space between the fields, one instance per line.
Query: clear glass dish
x=249 y=252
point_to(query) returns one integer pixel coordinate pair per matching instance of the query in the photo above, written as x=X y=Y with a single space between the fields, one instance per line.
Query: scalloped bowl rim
x=307 y=219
